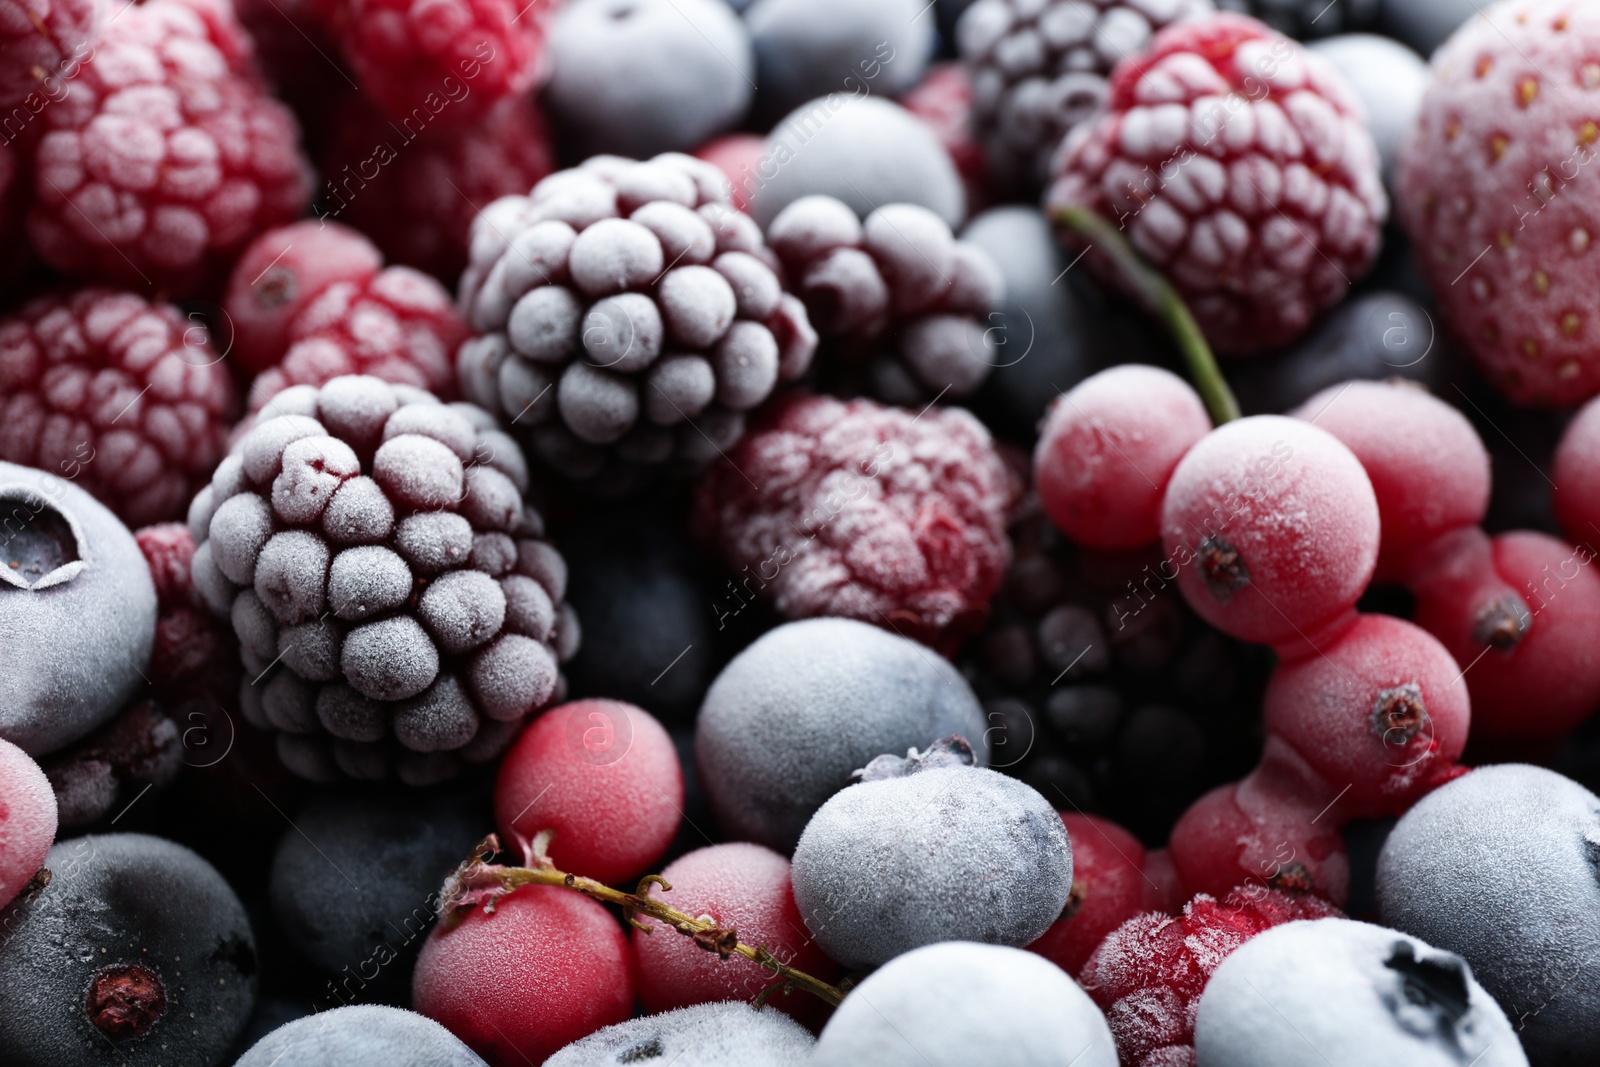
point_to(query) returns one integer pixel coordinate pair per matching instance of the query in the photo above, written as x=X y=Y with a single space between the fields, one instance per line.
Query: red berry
x=1491 y=191
x=1149 y=973
x=43 y=42
x=125 y=397
x=602 y=775
x=740 y=156
x=281 y=272
x=1521 y=615
x=27 y=819
x=188 y=637
x=867 y=512
x=744 y=887
x=1383 y=708
x=546 y=967
x=943 y=100
x=1427 y=465
x=1108 y=888
x=1575 y=470
x=1108 y=449
x=1272 y=528
x=162 y=159
x=1241 y=166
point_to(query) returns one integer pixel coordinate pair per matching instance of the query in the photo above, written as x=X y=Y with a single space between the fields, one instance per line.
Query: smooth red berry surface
x=1108 y=449
x=1575 y=471
x=547 y=967
x=27 y=819
x=740 y=156
x=604 y=777
x=1109 y=886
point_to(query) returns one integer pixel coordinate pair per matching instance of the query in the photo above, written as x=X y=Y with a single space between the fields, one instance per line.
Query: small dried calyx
x=125 y=1000
x=1501 y=622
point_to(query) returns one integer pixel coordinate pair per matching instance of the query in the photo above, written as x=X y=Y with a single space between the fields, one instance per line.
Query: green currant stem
x=1148 y=283
x=477 y=882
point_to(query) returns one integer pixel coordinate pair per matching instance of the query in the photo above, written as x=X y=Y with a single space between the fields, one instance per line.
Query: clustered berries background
x=762 y=533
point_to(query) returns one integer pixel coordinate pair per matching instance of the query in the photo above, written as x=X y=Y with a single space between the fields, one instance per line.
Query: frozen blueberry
x=638 y=77
x=1348 y=994
x=1424 y=24
x=1389 y=79
x=136 y=953
x=928 y=850
x=791 y=717
x=862 y=150
x=721 y=1034
x=809 y=48
x=958 y=1003
x=1503 y=867
x=361 y=1035
x=77 y=607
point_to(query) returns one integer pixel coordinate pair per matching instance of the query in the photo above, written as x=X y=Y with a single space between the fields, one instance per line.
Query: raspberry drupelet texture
x=189 y=639
x=420 y=204
x=897 y=298
x=126 y=397
x=1148 y=974
x=629 y=318
x=1108 y=449
x=1492 y=193
x=1039 y=69
x=165 y=155
x=1241 y=166
x=854 y=509
x=397 y=607
x=418 y=58
x=43 y=42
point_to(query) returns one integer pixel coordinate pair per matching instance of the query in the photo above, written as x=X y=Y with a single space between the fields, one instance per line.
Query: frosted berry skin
x=896 y=297
x=1575 y=470
x=1040 y=69
x=744 y=887
x=628 y=318
x=420 y=205
x=1428 y=467
x=1148 y=974
x=44 y=42
x=1240 y=166
x=1500 y=867
x=1108 y=888
x=397 y=607
x=546 y=967
x=163 y=159
x=1107 y=450
x=1491 y=194
x=1359 y=994
x=854 y=509
x=724 y=1034
x=1520 y=612
x=126 y=397
x=27 y=820
x=1272 y=527
x=361 y=1035
x=140 y=749
x=602 y=775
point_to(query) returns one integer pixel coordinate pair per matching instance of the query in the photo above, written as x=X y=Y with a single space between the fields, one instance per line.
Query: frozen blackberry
x=397 y=608
x=628 y=317
x=897 y=298
x=1040 y=67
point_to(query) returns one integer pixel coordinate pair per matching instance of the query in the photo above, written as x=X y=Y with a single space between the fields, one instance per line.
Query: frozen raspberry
x=1149 y=973
x=127 y=397
x=188 y=637
x=43 y=42
x=419 y=58
x=162 y=159
x=28 y=820
x=896 y=298
x=868 y=512
x=629 y=317
x=943 y=100
x=1490 y=190
x=1241 y=166
x=416 y=195
x=396 y=604
x=1041 y=67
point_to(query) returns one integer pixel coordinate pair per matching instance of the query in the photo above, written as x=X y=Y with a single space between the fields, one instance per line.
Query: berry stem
x=1159 y=294
x=477 y=881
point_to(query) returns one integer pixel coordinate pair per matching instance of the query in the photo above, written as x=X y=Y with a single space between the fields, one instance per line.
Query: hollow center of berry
x=1399 y=714
x=1222 y=568
x=35 y=539
x=1501 y=623
x=1437 y=984
x=125 y=1000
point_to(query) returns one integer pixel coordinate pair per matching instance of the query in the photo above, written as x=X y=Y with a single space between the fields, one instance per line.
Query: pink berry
x=1521 y=615
x=742 y=157
x=188 y=637
x=1108 y=888
x=1383 y=708
x=546 y=967
x=601 y=774
x=943 y=100
x=744 y=887
x=1108 y=449
x=44 y=43
x=1576 y=473
x=1427 y=465
x=1272 y=528
x=27 y=819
